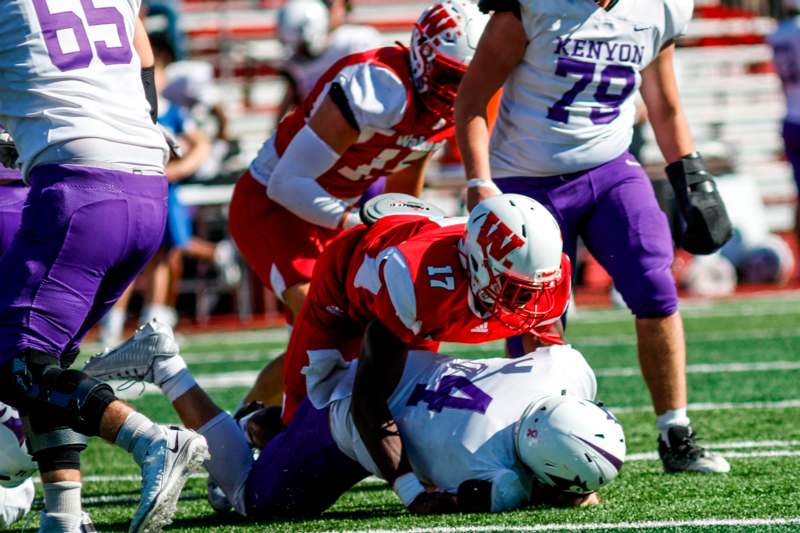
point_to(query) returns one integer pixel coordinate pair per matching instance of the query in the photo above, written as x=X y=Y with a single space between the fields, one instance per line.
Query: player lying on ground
x=94 y=214
x=483 y=435
x=16 y=468
x=379 y=113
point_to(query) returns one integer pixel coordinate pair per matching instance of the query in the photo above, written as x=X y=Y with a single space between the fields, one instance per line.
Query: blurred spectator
x=314 y=36
x=785 y=42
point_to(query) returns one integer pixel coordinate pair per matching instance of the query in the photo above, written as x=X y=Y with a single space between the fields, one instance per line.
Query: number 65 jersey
x=569 y=105
x=457 y=417
x=70 y=84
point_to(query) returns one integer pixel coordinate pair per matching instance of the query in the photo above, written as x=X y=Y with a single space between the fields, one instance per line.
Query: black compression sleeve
x=149 y=84
x=340 y=99
x=500 y=6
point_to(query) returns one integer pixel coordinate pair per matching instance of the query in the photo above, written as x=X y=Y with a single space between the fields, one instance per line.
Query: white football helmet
x=303 y=27
x=15 y=464
x=443 y=43
x=571 y=444
x=513 y=249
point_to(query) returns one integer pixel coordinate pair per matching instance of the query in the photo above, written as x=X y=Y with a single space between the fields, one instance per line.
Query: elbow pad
x=149 y=84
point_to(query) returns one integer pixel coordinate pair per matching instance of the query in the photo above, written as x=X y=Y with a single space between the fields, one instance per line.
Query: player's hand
x=479 y=190
x=564 y=499
x=433 y=503
x=8 y=151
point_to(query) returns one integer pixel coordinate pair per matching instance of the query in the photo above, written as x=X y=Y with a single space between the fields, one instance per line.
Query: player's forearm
x=380 y=368
x=182 y=168
x=472 y=134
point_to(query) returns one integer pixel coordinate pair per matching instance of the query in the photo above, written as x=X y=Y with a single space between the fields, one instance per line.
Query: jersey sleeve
x=677 y=14
x=376 y=96
x=509 y=492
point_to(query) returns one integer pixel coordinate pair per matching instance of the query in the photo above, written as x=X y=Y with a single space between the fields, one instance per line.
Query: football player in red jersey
x=377 y=113
x=499 y=273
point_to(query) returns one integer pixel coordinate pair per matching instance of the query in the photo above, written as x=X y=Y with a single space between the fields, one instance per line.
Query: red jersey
x=405 y=271
x=395 y=127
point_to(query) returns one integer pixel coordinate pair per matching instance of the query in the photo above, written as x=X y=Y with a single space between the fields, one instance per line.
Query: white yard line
x=741 y=334
x=651 y=524
x=653 y=456
x=707 y=368
x=710 y=406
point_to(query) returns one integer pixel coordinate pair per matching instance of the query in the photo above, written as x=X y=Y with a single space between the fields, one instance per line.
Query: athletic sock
x=673 y=417
x=63 y=497
x=178 y=384
x=136 y=435
x=231 y=457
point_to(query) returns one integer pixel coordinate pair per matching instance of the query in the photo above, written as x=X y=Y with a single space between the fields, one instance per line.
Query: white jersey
x=70 y=85
x=457 y=416
x=569 y=105
x=343 y=41
x=785 y=43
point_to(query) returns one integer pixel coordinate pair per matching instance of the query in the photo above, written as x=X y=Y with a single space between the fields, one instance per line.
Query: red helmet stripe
x=437 y=20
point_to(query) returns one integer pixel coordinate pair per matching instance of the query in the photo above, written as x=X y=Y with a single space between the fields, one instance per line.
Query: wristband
x=407 y=487
x=477 y=182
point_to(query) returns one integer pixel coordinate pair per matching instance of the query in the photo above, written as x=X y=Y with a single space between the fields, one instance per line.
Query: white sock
x=231 y=457
x=137 y=434
x=63 y=497
x=177 y=385
x=674 y=417
x=166 y=368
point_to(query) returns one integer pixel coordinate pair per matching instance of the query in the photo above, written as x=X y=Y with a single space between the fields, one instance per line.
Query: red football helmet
x=443 y=42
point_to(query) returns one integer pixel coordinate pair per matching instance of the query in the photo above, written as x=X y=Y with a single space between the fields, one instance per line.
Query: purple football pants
x=12 y=198
x=791 y=143
x=85 y=235
x=614 y=210
x=301 y=471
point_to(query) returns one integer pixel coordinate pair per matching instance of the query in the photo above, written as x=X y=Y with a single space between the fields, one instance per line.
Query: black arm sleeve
x=475 y=496
x=149 y=84
x=340 y=99
x=500 y=6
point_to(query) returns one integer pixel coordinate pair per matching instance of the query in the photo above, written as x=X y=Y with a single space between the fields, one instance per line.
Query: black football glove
x=707 y=224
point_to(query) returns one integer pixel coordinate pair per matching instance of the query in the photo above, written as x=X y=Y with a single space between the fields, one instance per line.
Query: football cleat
x=61 y=522
x=167 y=465
x=134 y=358
x=683 y=454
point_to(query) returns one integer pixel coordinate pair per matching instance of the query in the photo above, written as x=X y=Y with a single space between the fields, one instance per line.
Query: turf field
x=744 y=386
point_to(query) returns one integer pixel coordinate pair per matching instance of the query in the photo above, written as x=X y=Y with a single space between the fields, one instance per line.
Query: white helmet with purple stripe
x=574 y=445
x=15 y=464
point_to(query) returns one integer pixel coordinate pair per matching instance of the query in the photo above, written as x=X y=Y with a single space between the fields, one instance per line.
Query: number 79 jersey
x=69 y=72
x=569 y=105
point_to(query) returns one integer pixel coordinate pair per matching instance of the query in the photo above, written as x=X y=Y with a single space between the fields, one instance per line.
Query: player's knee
x=68 y=398
x=650 y=295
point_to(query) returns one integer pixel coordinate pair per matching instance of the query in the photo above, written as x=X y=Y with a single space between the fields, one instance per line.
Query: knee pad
x=67 y=398
x=54 y=448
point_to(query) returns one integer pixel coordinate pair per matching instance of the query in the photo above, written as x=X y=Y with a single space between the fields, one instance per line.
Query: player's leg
x=629 y=236
x=567 y=201
x=791 y=141
x=12 y=198
x=65 y=253
x=301 y=471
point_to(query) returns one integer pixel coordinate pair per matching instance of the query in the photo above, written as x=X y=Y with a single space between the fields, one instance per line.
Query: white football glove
x=8 y=151
x=176 y=151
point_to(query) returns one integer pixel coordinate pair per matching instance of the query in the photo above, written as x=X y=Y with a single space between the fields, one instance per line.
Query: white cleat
x=133 y=359
x=166 y=467
x=62 y=522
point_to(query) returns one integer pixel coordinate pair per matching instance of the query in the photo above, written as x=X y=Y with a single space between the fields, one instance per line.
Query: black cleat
x=683 y=454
